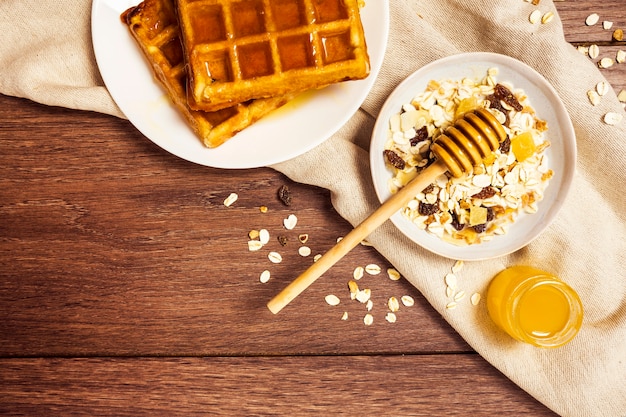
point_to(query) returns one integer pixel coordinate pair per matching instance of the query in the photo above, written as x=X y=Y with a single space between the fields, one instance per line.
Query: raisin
x=284 y=194
x=426 y=209
x=491 y=214
x=485 y=193
x=394 y=159
x=505 y=146
x=455 y=223
x=429 y=189
x=420 y=135
x=505 y=95
x=480 y=228
x=282 y=240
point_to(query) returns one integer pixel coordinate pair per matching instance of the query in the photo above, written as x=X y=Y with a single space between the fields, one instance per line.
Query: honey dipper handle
x=345 y=245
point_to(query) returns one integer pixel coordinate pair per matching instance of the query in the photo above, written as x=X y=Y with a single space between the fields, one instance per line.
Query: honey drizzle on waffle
x=238 y=50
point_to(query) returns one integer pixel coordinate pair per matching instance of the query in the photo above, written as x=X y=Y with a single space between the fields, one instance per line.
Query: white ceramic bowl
x=561 y=154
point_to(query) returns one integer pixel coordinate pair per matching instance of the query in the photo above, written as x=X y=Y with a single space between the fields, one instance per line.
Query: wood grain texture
x=435 y=385
x=127 y=288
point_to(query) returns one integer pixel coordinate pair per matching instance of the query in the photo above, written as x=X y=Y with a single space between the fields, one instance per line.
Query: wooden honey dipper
x=462 y=146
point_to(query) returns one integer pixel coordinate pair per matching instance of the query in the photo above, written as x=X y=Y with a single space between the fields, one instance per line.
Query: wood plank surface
x=395 y=386
x=127 y=287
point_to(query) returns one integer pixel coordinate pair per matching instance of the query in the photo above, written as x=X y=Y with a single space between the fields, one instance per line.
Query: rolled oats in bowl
x=510 y=198
x=474 y=208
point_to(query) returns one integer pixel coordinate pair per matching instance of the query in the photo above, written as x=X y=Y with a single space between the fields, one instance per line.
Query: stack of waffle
x=227 y=63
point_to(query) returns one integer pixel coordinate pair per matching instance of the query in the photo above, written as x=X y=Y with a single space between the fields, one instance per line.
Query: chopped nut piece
x=253 y=234
x=230 y=199
x=332 y=300
x=618 y=35
x=592 y=19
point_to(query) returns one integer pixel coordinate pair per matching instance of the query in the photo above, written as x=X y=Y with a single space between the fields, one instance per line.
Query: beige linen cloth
x=46 y=55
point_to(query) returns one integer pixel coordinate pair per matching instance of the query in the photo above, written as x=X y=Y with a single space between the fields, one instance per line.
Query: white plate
x=289 y=132
x=561 y=154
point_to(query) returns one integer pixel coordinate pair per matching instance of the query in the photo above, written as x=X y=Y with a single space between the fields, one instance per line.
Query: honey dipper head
x=473 y=137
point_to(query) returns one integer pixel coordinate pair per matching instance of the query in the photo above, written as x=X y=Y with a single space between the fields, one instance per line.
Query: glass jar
x=534 y=306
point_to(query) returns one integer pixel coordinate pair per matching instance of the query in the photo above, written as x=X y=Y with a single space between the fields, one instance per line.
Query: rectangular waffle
x=238 y=50
x=154 y=26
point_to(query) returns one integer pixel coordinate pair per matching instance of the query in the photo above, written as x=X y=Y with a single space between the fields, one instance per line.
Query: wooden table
x=127 y=287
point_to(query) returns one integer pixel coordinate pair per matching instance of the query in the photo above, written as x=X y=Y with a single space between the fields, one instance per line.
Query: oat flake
x=358 y=273
x=265 y=276
x=592 y=19
x=304 y=251
x=264 y=236
x=372 y=269
x=393 y=274
x=332 y=300
x=612 y=118
x=368 y=319
x=475 y=299
x=275 y=257
x=391 y=317
x=230 y=199
x=254 y=245
x=290 y=222
x=407 y=300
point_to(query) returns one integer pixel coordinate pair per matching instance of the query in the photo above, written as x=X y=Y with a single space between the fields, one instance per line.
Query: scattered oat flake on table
x=358 y=273
x=407 y=300
x=332 y=300
x=275 y=257
x=368 y=319
x=344 y=317
x=594 y=51
x=391 y=317
x=372 y=269
x=612 y=118
x=304 y=251
x=230 y=199
x=369 y=305
x=264 y=236
x=393 y=304
x=393 y=274
x=265 y=276
x=592 y=19
x=364 y=295
x=290 y=222
x=606 y=25
x=620 y=56
x=254 y=245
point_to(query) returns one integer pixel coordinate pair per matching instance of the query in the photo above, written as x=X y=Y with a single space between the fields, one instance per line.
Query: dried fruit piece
x=504 y=94
x=478 y=215
x=394 y=159
x=618 y=35
x=486 y=192
x=420 y=135
x=284 y=195
x=426 y=209
x=523 y=146
x=282 y=240
x=263 y=209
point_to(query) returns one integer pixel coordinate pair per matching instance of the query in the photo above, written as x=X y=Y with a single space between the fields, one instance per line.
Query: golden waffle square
x=238 y=50
x=154 y=26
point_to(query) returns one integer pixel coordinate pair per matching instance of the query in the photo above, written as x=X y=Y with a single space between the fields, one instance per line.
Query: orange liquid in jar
x=534 y=306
